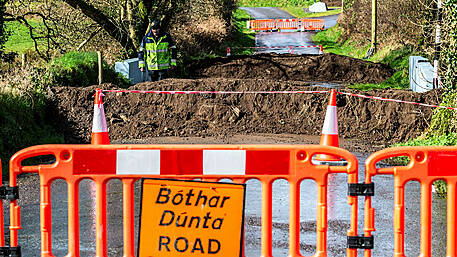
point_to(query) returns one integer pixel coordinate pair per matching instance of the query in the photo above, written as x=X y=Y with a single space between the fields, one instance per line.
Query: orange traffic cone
x=329 y=135
x=100 y=134
x=321 y=49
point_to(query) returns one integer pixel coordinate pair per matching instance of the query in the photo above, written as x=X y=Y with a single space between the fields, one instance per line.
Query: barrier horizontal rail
x=129 y=163
x=286 y=24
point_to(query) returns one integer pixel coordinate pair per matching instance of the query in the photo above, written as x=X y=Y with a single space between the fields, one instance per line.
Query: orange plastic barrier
x=427 y=164
x=240 y=163
x=278 y=24
x=6 y=193
x=2 y=225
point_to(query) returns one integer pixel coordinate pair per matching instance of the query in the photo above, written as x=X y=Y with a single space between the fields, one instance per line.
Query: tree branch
x=100 y=18
x=92 y=35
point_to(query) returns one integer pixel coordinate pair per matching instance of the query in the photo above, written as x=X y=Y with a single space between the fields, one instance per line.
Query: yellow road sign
x=191 y=218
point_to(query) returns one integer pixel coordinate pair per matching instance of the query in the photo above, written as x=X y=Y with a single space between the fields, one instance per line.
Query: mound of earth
x=132 y=116
x=327 y=67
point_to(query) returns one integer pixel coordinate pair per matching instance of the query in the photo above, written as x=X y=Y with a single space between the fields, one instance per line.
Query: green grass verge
x=299 y=13
x=396 y=57
x=243 y=36
x=329 y=38
x=19 y=40
x=398 y=60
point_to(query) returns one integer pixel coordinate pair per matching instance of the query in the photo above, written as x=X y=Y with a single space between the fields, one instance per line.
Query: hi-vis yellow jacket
x=157 y=53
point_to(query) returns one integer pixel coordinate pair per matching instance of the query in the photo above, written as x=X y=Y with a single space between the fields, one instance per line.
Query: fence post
x=23 y=60
x=100 y=67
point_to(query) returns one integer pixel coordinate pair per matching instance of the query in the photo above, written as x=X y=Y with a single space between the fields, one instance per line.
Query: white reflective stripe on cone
x=224 y=162
x=331 y=121
x=99 y=122
x=133 y=162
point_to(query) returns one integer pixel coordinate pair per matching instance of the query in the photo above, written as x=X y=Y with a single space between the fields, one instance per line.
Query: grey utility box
x=129 y=68
x=420 y=74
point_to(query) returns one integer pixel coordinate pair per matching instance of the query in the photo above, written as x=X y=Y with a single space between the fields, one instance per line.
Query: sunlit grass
x=19 y=40
x=244 y=37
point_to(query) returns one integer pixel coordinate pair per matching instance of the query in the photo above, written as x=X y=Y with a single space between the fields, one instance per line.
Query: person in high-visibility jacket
x=157 y=53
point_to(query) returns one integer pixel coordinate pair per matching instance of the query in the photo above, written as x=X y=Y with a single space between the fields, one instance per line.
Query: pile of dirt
x=327 y=67
x=133 y=116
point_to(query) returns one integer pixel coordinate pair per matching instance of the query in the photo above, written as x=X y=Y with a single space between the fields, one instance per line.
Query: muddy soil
x=327 y=67
x=141 y=116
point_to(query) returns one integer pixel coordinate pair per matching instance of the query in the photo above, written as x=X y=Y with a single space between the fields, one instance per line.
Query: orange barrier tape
x=240 y=163
x=278 y=24
x=427 y=164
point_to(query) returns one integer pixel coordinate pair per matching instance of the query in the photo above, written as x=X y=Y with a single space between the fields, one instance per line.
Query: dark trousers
x=156 y=75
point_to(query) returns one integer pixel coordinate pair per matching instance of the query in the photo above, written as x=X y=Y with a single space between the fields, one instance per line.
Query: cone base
x=100 y=138
x=329 y=140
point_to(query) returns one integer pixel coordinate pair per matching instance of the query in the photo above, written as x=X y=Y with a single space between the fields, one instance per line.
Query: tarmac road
x=267 y=13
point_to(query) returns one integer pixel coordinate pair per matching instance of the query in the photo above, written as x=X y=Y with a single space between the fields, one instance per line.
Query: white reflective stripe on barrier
x=224 y=162
x=215 y=162
x=137 y=162
x=99 y=122
x=330 y=122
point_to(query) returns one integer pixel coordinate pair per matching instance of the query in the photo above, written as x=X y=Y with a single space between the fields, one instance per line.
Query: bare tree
x=69 y=24
x=63 y=25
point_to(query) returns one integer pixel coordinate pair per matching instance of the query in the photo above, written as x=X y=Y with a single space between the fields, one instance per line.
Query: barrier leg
x=46 y=222
x=294 y=219
x=266 y=219
x=73 y=219
x=15 y=214
x=451 y=212
x=129 y=218
x=426 y=219
x=100 y=208
x=399 y=221
x=321 y=220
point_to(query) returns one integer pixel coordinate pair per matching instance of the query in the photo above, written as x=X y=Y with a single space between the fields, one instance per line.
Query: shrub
x=81 y=69
x=399 y=22
x=24 y=122
x=3 y=32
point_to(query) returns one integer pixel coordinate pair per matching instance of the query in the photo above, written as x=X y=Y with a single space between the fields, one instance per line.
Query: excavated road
x=365 y=126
